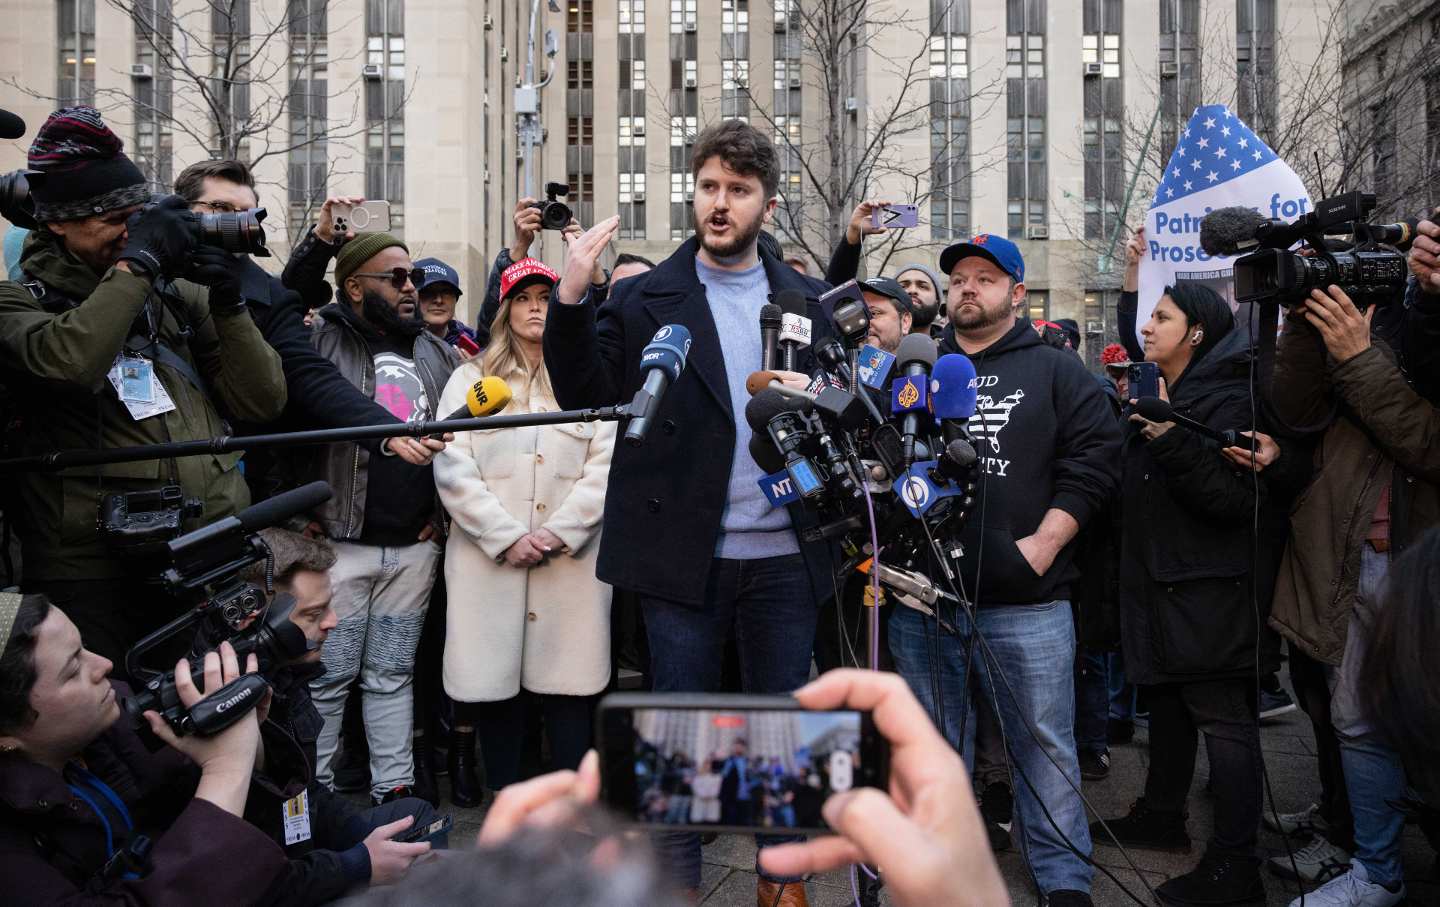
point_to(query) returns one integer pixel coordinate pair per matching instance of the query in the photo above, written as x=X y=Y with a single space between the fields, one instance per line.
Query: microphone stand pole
x=65 y=459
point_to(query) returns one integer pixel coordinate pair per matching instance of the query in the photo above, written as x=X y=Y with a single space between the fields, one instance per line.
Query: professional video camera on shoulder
x=206 y=567
x=1371 y=270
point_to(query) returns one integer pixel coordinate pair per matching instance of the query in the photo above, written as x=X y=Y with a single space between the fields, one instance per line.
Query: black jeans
x=500 y=730
x=1226 y=711
x=1307 y=676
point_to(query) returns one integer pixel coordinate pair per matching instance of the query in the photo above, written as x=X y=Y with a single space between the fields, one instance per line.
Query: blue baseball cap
x=1002 y=252
x=437 y=272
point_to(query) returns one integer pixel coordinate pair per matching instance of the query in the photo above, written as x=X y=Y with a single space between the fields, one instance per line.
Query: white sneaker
x=1353 y=889
x=1307 y=821
x=1318 y=861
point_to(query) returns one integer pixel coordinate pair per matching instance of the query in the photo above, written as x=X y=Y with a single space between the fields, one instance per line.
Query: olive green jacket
x=54 y=359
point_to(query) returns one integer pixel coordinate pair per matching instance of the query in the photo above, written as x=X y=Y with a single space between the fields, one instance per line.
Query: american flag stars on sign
x=1214 y=148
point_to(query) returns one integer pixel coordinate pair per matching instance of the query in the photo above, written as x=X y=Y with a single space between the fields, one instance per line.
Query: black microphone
x=833 y=357
x=11 y=126
x=1230 y=231
x=769 y=336
x=276 y=510
x=661 y=362
x=1157 y=410
x=794 y=326
x=915 y=357
x=957 y=460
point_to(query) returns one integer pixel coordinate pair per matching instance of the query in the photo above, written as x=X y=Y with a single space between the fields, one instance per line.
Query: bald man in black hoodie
x=1049 y=450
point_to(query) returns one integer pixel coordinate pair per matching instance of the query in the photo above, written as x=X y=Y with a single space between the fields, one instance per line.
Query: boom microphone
x=770 y=320
x=795 y=328
x=276 y=510
x=11 y=126
x=661 y=362
x=485 y=397
x=1157 y=410
x=1230 y=231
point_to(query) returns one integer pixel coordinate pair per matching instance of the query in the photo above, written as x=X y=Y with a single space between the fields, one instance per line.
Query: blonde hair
x=504 y=357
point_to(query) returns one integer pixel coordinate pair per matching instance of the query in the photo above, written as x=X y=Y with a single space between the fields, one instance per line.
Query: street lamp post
x=527 y=96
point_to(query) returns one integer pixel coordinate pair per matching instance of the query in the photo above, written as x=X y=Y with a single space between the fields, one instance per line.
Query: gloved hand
x=219 y=270
x=161 y=237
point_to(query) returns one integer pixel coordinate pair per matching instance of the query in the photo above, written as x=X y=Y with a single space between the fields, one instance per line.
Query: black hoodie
x=1047 y=438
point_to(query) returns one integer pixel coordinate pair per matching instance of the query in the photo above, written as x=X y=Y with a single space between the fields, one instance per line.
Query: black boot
x=1218 y=880
x=424 y=755
x=465 y=789
x=1146 y=829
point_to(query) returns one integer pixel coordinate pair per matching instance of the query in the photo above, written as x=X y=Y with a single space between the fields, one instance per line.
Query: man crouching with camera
x=100 y=346
x=333 y=845
x=1376 y=489
x=88 y=815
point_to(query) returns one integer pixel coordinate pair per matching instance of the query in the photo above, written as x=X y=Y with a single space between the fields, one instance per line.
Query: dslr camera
x=1369 y=271
x=205 y=567
x=554 y=214
x=16 y=205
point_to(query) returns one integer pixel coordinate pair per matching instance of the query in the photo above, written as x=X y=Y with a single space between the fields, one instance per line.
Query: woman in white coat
x=528 y=625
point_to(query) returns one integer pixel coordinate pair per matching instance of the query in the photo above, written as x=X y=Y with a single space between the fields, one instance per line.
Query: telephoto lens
x=16 y=205
x=235 y=231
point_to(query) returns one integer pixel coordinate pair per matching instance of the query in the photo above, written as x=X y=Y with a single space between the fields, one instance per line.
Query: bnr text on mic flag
x=1217 y=163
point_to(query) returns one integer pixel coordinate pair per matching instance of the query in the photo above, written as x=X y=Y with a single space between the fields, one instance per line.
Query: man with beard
x=686 y=526
x=923 y=286
x=384 y=519
x=1049 y=449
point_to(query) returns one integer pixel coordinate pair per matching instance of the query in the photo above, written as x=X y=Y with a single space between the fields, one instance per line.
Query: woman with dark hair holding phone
x=88 y=815
x=1188 y=611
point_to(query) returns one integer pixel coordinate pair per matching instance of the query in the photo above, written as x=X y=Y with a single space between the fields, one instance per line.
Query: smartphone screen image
x=734 y=766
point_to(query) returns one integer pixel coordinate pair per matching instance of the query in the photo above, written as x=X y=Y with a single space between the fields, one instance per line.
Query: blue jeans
x=770 y=604
x=1092 y=701
x=1374 y=776
x=1034 y=646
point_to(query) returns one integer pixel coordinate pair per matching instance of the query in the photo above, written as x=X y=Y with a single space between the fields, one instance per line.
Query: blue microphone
x=952 y=387
x=661 y=362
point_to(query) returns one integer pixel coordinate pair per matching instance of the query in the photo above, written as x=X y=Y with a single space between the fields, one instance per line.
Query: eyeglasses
x=398 y=277
x=218 y=207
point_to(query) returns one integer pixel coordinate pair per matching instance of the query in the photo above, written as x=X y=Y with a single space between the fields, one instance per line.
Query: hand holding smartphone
x=732 y=763
x=896 y=217
x=1144 y=379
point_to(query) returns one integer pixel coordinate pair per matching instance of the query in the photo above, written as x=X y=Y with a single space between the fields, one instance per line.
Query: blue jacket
x=666 y=497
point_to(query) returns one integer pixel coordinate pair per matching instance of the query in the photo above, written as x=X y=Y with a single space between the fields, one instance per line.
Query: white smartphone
x=366 y=217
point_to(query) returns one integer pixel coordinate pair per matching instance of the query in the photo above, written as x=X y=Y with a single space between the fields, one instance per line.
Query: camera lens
x=16 y=205
x=555 y=216
x=235 y=231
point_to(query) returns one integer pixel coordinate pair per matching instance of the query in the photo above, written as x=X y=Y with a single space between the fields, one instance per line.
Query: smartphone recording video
x=732 y=763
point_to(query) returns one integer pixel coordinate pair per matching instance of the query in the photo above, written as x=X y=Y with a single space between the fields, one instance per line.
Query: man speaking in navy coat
x=687 y=527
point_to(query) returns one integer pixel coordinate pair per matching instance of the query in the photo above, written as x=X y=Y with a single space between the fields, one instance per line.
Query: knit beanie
x=85 y=168
x=361 y=249
x=934 y=279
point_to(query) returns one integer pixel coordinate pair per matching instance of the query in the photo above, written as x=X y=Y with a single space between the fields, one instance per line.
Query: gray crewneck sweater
x=749 y=528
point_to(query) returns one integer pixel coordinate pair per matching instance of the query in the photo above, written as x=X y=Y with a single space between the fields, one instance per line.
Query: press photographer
x=333 y=845
x=104 y=346
x=88 y=814
x=1376 y=489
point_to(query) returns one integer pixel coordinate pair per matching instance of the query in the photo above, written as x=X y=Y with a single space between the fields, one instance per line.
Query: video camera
x=205 y=565
x=554 y=214
x=1371 y=270
x=16 y=205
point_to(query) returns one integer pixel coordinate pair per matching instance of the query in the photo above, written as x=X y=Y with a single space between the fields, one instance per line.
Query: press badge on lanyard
x=135 y=382
x=297 y=818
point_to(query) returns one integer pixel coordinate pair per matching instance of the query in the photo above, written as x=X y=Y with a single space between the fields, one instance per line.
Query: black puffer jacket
x=1187 y=610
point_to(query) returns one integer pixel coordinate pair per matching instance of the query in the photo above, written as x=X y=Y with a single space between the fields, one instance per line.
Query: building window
x=76 y=25
x=682 y=16
x=682 y=190
x=632 y=17
x=734 y=59
x=1432 y=123
x=309 y=110
x=1179 y=69
x=1104 y=108
x=580 y=108
x=1099 y=329
x=632 y=206
x=1255 y=65
x=154 y=93
x=949 y=120
x=1036 y=306
x=385 y=107
x=1382 y=151
x=1025 y=101
x=230 y=77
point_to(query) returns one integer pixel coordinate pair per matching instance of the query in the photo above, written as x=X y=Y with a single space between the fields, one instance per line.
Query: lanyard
x=88 y=781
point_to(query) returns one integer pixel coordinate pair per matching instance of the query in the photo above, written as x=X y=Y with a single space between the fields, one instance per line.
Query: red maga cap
x=526 y=270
